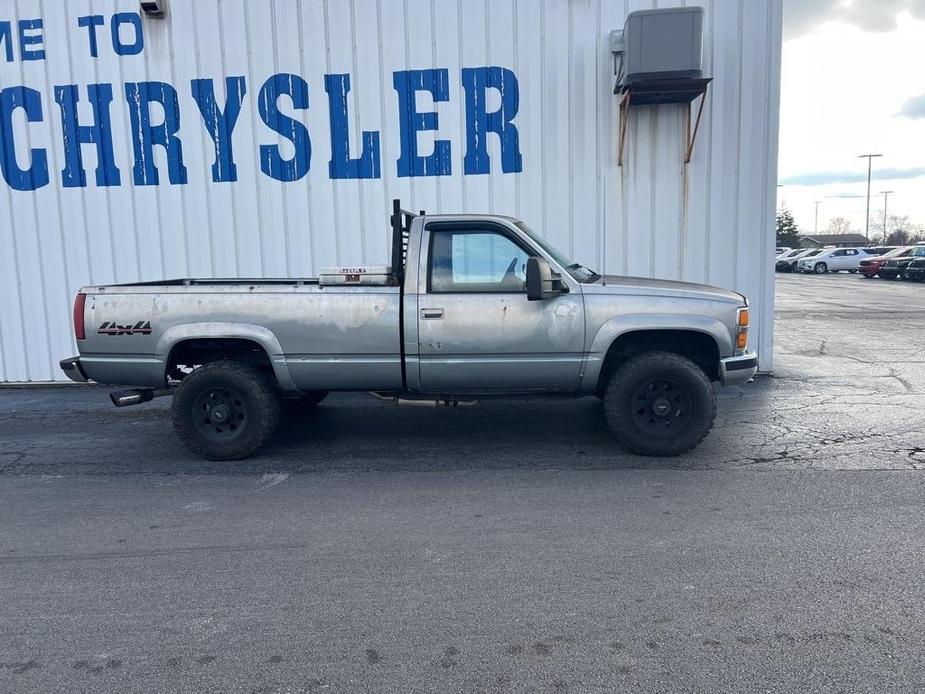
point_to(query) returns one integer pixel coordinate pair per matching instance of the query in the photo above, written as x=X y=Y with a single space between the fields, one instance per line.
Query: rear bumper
x=736 y=370
x=73 y=370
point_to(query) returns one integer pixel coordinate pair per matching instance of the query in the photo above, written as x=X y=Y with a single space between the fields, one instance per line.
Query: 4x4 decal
x=111 y=328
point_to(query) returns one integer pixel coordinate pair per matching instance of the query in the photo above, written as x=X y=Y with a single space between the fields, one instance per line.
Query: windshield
x=895 y=252
x=790 y=254
x=576 y=270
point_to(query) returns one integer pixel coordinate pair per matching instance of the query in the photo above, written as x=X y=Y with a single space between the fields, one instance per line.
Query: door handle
x=431 y=313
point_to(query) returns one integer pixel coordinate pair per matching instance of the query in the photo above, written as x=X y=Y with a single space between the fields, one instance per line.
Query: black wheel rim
x=220 y=414
x=661 y=407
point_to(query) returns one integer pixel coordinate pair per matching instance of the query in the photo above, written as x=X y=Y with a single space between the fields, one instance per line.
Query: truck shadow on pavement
x=347 y=432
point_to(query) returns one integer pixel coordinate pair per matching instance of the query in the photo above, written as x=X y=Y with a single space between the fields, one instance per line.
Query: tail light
x=79 y=332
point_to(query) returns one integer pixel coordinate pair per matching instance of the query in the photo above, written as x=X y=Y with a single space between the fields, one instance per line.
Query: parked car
x=869 y=267
x=788 y=261
x=834 y=260
x=895 y=268
x=915 y=271
x=471 y=305
x=881 y=250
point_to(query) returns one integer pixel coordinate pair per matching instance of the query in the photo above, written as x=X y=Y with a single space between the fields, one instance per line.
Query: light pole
x=816 y=224
x=870 y=158
x=886 y=196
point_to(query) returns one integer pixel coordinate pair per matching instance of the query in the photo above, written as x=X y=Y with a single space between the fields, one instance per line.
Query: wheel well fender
x=228 y=336
x=702 y=339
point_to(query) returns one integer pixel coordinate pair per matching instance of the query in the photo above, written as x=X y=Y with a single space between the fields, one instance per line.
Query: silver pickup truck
x=471 y=306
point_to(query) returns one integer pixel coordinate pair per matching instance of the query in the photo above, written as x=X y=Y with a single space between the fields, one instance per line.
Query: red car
x=871 y=266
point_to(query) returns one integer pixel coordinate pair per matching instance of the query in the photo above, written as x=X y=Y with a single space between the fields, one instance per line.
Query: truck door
x=476 y=329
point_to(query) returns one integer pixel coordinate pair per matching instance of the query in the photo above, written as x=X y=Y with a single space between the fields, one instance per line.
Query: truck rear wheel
x=225 y=410
x=660 y=403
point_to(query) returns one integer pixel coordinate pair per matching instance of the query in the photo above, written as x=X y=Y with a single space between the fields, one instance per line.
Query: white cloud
x=913 y=108
x=820 y=178
x=802 y=16
x=841 y=94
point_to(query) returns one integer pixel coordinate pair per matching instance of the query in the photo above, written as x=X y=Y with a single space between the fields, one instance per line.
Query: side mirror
x=542 y=282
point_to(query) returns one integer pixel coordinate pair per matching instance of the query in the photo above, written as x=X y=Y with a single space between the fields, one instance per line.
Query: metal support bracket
x=624 y=121
x=691 y=136
x=664 y=92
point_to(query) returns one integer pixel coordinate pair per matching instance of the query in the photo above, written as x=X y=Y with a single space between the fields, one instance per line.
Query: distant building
x=837 y=240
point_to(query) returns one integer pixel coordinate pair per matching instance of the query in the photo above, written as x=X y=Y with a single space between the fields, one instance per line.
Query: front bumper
x=736 y=370
x=73 y=370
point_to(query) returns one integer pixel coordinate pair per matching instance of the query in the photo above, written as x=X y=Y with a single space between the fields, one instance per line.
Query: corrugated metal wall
x=711 y=220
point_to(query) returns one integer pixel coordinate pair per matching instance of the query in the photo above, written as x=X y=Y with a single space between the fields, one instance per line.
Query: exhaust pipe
x=415 y=402
x=125 y=398
x=443 y=402
x=136 y=396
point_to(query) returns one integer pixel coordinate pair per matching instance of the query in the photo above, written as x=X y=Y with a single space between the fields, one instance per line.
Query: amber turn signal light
x=743 y=317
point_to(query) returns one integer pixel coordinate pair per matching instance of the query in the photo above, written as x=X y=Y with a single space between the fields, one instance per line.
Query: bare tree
x=899 y=230
x=839 y=225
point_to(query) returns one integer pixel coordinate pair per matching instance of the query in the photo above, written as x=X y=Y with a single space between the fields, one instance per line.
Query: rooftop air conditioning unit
x=663 y=44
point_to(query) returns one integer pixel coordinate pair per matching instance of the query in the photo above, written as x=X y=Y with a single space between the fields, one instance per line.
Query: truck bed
x=328 y=337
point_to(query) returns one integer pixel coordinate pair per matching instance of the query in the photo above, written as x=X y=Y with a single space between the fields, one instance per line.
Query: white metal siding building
x=191 y=188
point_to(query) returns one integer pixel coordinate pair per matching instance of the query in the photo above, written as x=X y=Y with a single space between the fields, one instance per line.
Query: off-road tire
x=303 y=402
x=820 y=268
x=251 y=400
x=628 y=415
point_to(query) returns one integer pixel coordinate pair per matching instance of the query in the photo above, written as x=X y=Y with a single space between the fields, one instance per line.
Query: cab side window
x=476 y=261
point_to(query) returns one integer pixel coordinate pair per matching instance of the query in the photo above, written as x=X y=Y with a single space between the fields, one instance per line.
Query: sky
x=852 y=82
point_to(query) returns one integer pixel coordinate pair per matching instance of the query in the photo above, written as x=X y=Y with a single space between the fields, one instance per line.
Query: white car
x=787 y=261
x=834 y=260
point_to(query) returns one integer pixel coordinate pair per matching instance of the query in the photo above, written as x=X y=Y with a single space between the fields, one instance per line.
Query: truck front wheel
x=225 y=410
x=660 y=403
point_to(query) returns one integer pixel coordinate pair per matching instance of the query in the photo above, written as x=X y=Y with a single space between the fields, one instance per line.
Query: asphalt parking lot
x=506 y=547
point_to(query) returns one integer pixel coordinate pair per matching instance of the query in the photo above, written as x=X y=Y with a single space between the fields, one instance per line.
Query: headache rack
x=401 y=228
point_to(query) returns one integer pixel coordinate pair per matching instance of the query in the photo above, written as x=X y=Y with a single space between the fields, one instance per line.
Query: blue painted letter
x=479 y=122
x=139 y=96
x=30 y=101
x=26 y=40
x=91 y=21
x=6 y=39
x=75 y=135
x=219 y=123
x=117 y=21
x=407 y=83
x=341 y=165
x=271 y=161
